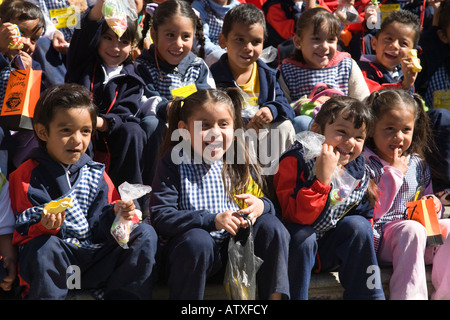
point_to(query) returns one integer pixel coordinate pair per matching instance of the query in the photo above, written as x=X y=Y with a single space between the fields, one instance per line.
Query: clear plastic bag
x=122 y=228
x=241 y=269
x=116 y=13
x=342 y=183
x=311 y=142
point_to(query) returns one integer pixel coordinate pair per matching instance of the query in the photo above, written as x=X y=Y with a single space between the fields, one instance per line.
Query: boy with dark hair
x=390 y=66
x=243 y=33
x=52 y=243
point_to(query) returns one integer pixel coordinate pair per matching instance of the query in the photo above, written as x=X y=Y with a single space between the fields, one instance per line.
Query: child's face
x=211 y=130
x=345 y=138
x=28 y=34
x=394 y=130
x=393 y=44
x=317 y=49
x=69 y=134
x=111 y=50
x=244 y=45
x=174 y=39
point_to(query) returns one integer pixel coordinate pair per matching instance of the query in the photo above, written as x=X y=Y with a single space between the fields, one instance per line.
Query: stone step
x=323 y=286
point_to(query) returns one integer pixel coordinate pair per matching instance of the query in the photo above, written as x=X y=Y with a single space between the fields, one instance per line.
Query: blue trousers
x=126 y=145
x=193 y=256
x=348 y=248
x=122 y=273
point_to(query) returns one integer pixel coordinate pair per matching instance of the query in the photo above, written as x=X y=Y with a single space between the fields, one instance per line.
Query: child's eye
x=256 y=42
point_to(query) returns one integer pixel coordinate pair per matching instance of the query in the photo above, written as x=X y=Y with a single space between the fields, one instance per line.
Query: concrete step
x=323 y=286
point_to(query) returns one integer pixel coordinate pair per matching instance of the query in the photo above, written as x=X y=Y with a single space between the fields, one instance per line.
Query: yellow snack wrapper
x=413 y=55
x=58 y=206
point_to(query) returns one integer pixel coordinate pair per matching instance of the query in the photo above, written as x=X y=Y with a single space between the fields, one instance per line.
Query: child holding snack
x=329 y=233
x=49 y=243
x=391 y=66
x=395 y=150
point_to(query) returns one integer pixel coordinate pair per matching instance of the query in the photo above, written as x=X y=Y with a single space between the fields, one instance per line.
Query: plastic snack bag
x=242 y=265
x=122 y=228
x=116 y=13
x=342 y=183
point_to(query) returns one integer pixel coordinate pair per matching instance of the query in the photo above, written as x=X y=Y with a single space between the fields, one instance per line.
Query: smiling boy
x=243 y=33
x=390 y=66
x=49 y=244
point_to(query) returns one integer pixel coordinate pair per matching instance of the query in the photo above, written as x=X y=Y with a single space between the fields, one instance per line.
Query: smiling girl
x=195 y=205
x=99 y=60
x=325 y=237
x=395 y=150
x=316 y=59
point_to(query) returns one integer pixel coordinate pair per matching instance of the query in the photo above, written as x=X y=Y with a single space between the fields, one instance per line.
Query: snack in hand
x=17 y=42
x=413 y=55
x=58 y=206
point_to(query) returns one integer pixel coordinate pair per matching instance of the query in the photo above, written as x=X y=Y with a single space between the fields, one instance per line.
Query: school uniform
x=323 y=236
x=397 y=236
x=118 y=98
x=160 y=77
x=184 y=202
x=269 y=95
x=84 y=239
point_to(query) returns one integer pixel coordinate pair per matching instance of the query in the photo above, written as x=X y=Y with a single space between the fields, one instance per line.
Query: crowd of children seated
x=316 y=122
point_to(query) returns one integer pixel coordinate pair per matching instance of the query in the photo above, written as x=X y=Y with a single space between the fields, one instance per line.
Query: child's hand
x=228 y=220
x=437 y=202
x=326 y=164
x=53 y=221
x=126 y=208
x=409 y=76
x=399 y=162
x=27 y=61
x=6 y=36
x=254 y=210
x=59 y=43
x=262 y=117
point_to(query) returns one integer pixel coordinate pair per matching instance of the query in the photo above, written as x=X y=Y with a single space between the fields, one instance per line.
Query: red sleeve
x=19 y=182
x=277 y=19
x=306 y=204
x=113 y=194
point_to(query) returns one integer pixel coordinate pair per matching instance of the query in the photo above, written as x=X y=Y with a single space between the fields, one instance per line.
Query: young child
x=212 y=13
x=103 y=65
x=324 y=235
x=64 y=120
x=195 y=196
x=170 y=64
x=30 y=21
x=242 y=35
x=391 y=67
x=394 y=151
x=317 y=60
